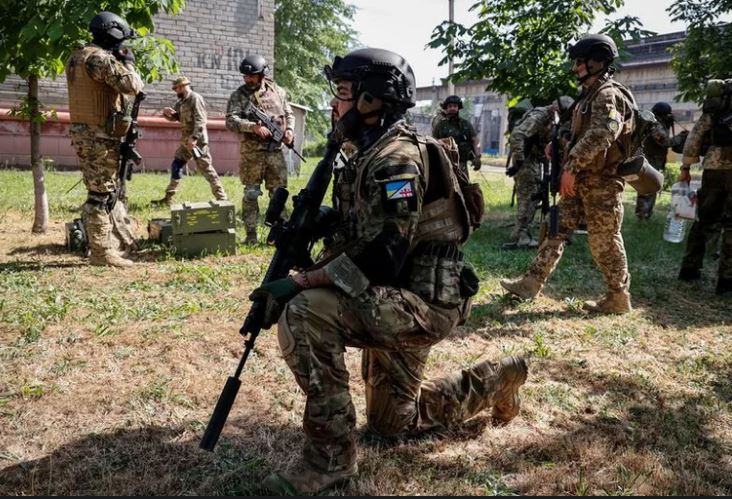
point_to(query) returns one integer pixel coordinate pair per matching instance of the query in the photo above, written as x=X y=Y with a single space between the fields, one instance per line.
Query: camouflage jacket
x=531 y=134
x=602 y=124
x=459 y=129
x=380 y=198
x=717 y=158
x=270 y=98
x=655 y=146
x=191 y=112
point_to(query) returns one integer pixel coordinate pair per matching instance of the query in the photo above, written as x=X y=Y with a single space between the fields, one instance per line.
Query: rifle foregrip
x=220 y=414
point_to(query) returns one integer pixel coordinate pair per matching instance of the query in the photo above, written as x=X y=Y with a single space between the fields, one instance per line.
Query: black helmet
x=598 y=47
x=381 y=73
x=108 y=29
x=661 y=109
x=452 y=99
x=253 y=65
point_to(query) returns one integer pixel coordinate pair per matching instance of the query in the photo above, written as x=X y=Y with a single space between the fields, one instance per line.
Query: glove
x=275 y=295
x=476 y=163
x=124 y=55
x=514 y=168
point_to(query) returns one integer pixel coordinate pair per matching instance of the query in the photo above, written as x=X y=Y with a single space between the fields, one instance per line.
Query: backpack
x=517 y=113
x=718 y=103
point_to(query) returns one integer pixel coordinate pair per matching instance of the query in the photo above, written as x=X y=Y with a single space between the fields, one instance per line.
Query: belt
x=448 y=251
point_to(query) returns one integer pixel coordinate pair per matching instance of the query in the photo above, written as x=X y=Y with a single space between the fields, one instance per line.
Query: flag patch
x=400 y=189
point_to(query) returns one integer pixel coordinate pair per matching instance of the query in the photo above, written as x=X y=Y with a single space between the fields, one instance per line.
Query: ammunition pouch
x=106 y=200
x=118 y=123
x=435 y=273
x=639 y=173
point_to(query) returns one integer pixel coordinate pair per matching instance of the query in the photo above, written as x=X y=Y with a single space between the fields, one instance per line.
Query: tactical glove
x=275 y=295
x=476 y=163
x=514 y=168
x=124 y=55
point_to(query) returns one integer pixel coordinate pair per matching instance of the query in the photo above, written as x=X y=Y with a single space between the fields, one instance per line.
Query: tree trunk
x=40 y=221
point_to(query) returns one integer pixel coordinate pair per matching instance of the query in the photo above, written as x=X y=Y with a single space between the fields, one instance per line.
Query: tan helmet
x=181 y=80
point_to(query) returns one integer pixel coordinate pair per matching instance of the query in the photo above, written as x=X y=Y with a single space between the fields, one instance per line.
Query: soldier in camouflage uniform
x=714 y=201
x=258 y=161
x=461 y=130
x=655 y=149
x=527 y=141
x=190 y=111
x=391 y=286
x=601 y=128
x=99 y=76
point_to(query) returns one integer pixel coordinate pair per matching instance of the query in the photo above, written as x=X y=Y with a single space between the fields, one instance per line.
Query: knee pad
x=176 y=169
x=251 y=193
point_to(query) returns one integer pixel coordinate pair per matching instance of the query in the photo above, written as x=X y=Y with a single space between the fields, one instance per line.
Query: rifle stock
x=293 y=240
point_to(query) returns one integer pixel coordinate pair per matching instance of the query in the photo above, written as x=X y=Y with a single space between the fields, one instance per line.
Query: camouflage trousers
x=600 y=201
x=205 y=168
x=714 y=208
x=644 y=204
x=396 y=329
x=98 y=158
x=255 y=166
x=528 y=182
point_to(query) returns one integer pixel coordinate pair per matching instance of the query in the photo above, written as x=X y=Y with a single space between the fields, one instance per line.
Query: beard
x=180 y=95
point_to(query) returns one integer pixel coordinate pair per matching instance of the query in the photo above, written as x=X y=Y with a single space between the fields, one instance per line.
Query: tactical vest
x=718 y=103
x=91 y=102
x=269 y=100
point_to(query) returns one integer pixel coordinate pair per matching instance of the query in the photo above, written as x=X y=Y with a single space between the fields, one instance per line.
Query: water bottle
x=679 y=213
x=675 y=227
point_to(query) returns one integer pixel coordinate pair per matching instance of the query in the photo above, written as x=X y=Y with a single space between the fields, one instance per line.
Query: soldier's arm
x=123 y=78
x=660 y=135
x=289 y=115
x=608 y=118
x=693 y=144
x=527 y=128
x=396 y=190
x=234 y=111
x=199 y=117
x=438 y=131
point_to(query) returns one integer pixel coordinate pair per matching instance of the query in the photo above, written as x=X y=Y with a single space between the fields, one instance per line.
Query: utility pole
x=450 y=85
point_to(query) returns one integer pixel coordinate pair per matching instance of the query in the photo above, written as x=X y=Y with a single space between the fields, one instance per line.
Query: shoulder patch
x=398 y=189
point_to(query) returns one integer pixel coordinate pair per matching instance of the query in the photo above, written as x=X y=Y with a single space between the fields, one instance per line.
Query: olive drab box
x=203 y=228
x=160 y=230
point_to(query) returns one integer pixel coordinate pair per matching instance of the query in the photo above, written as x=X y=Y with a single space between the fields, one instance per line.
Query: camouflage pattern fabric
x=205 y=168
x=191 y=112
x=655 y=149
x=462 y=131
x=717 y=158
x=255 y=166
x=527 y=143
x=714 y=207
x=395 y=326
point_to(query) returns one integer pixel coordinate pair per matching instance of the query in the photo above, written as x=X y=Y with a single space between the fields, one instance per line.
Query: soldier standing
x=601 y=128
x=655 y=149
x=259 y=159
x=714 y=201
x=379 y=292
x=190 y=111
x=460 y=129
x=528 y=140
x=98 y=76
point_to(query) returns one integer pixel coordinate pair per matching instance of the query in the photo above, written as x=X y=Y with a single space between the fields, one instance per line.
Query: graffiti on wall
x=219 y=58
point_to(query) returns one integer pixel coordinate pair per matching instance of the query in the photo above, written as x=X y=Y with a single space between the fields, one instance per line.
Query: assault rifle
x=551 y=175
x=255 y=114
x=293 y=240
x=128 y=155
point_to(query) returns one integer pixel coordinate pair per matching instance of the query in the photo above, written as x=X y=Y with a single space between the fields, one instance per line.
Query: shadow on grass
x=40 y=249
x=36 y=265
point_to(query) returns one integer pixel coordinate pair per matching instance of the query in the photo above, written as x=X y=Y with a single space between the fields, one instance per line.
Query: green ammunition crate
x=160 y=230
x=192 y=218
x=205 y=243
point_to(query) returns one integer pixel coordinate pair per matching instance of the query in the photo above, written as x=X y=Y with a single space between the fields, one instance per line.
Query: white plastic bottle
x=675 y=227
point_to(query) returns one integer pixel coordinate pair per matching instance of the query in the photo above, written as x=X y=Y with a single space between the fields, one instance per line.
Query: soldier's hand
x=566 y=185
x=124 y=55
x=262 y=132
x=191 y=143
x=514 y=168
x=548 y=151
x=289 y=137
x=275 y=295
x=476 y=163
x=169 y=112
x=685 y=175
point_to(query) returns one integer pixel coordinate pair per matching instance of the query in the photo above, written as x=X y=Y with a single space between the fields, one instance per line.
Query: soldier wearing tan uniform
x=190 y=111
x=260 y=160
x=100 y=76
x=394 y=287
x=601 y=128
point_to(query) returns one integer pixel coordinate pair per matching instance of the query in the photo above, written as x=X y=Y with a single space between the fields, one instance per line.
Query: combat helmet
x=452 y=99
x=253 y=64
x=109 y=30
x=378 y=72
x=598 y=47
x=661 y=109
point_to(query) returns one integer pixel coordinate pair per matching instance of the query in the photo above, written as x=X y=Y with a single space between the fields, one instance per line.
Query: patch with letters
x=399 y=189
x=613 y=121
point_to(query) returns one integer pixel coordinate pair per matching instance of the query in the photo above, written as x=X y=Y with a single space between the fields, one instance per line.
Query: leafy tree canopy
x=308 y=34
x=521 y=45
x=707 y=51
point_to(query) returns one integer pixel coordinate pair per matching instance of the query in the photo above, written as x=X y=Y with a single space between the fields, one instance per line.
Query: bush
x=671 y=175
x=314 y=148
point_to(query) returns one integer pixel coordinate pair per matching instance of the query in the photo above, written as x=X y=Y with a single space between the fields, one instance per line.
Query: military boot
x=512 y=373
x=614 y=302
x=525 y=287
x=526 y=241
x=163 y=201
x=724 y=285
x=251 y=238
x=109 y=257
x=303 y=479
